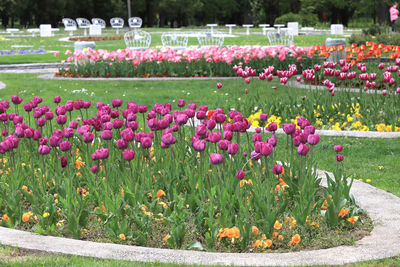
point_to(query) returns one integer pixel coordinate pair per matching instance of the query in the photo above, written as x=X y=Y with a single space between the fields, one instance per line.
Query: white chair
x=69 y=25
x=98 y=21
x=117 y=23
x=137 y=39
x=135 y=22
x=210 y=38
x=83 y=24
x=284 y=37
x=176 y=40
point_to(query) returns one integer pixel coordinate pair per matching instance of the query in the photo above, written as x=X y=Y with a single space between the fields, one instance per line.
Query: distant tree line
x=177 y=13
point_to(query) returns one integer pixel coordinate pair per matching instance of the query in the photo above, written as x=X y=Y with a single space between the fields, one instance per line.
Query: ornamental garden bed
x=125 y=173
x=96 y=38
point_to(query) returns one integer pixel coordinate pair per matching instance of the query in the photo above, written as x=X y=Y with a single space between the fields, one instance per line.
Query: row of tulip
x=370 y=100
x=210 y=61
x=137 y=174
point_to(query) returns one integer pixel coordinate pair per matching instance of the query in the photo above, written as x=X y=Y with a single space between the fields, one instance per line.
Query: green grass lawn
x=54 y=43
x=362 y=156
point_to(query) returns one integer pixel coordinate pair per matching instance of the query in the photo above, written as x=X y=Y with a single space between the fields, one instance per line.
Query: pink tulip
x=219 y=85
x=338 y=148
x=303 y=149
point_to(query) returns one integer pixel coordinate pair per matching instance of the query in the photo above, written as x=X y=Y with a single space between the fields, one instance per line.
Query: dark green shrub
x=288 y=17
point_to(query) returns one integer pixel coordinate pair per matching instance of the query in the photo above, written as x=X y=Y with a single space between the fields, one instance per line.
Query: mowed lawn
x=59 y=44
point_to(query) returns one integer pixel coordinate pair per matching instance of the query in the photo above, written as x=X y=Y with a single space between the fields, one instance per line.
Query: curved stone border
x=2 y=85
x=383 y=242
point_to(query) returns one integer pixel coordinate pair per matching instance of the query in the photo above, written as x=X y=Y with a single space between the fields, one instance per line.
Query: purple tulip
x=94 y=169
x=215 y=158
x=64 y=161
x=106 y=135
x=44 y=150
x=313 y=139
x=128 y=154
x=233 y=148
x=61 y=120
x=223 y=144
x=16 y=100
x=88 y=137
x=68 y=132
x=240 y=175
x=101 y=153
x=146 y=142
x=181 y=119
x=57 y=99
x=41 y=122
x=271 y=127
x=55 y=140
x=339 y=157
x=289 y=128
x=277 y=169
x=303 y=149
x=199 y=145
x=168 y=139
x=266 y=149
x=127 y=134
x=338 y=148
x=228 y=135
x=116 y=103
x=181 y=103
x=255 y=156
x=65 y=146
x=214 y=137
x=122 y=144
x=263 y=116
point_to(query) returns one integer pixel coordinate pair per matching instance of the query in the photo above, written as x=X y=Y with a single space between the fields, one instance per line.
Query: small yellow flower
x=46 y=214
x=368 y=180
x=380 y=168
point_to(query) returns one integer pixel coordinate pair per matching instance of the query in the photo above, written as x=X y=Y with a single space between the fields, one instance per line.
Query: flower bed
x=210 y=61
x=21 y=52
x=144 y=177
x=96 y=38
x=166 y=62
x=373 y=103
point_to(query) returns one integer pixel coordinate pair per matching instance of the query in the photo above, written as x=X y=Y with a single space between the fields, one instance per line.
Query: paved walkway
x=383 y=242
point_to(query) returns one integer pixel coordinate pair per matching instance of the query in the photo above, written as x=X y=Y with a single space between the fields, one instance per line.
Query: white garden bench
x=209 y=38
x=137 y=39
x=282 y=37
x=135 y=22
x=69 y=25
x=117 y=23
x=83 y=24
x=175 y=40
x=98 y=21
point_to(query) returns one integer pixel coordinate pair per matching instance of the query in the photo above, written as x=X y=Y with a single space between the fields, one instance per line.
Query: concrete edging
x=383 y=242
